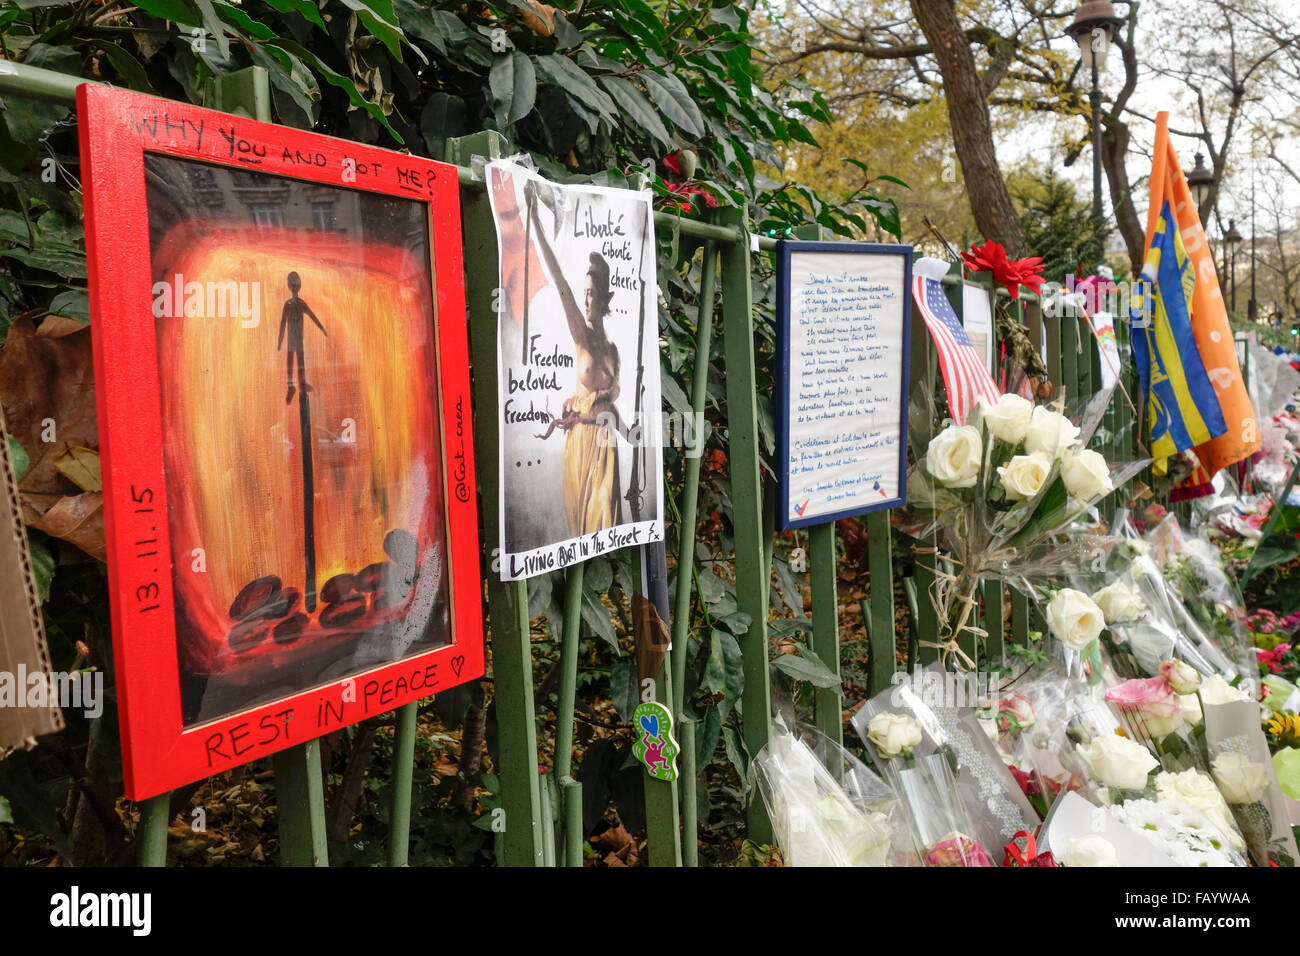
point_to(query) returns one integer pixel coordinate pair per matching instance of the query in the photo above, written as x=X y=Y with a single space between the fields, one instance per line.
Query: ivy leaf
x=596 y=615
x=637 y=108
x=727 y=16
x=724 y=671
x=674 y=101
x=379 y=18
x=306 y=8
x=127 y=66
x=337 y=80
x=17 y=456
x=562 y=72
x=60 y=59
x=806 y=666
x=738 y=755
x=623 y=689
x=43 y=564
x=212 y=23
x=513 y=83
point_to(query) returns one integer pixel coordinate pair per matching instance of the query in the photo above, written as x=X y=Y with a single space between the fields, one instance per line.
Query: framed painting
x=283 y=397
x=843 y=342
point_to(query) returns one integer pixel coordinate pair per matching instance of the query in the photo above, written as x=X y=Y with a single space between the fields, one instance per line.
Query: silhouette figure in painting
x=291 y=319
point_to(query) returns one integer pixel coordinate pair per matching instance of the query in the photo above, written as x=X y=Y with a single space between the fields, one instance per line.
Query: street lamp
x=1230 y=239
x=1201 y=181
x=1093 y=29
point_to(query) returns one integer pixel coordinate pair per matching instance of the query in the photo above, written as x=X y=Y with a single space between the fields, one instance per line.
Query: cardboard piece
x=23 y=650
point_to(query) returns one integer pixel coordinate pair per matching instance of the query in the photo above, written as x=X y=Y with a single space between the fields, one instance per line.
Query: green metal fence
x=543 y=811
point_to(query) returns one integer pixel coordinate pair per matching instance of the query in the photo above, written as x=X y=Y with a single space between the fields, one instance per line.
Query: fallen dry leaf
x=47 y=390
x=541 y=19
x=77 y=519
x=81 y=467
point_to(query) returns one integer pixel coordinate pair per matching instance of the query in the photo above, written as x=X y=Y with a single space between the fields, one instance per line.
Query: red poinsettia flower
x=992 y=257
x=688 y=190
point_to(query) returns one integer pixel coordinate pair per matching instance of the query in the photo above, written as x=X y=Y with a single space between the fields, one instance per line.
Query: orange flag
x=1210 y=326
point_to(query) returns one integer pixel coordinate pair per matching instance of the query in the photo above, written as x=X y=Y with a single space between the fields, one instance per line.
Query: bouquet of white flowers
x=998 y=492
x=821 y=819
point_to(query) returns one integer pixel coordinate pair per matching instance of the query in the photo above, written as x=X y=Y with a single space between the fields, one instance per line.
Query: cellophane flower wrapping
x=1246 y=778
x=1138 y=643
x=999 y=495
x=939 y=820
x=1194 y=571
x=936 y=712
x=836 y=815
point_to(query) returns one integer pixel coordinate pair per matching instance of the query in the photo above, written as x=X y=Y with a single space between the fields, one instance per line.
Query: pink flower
x=1015 y=713
x=957 y=849
x=1182 y=678
x=1272 y=658
x=1150 y=703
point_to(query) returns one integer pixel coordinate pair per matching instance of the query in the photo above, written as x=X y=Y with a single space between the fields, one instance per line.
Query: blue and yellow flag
x=1182 y=410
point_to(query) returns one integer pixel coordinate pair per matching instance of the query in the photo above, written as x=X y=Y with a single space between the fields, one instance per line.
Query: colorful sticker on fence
x=655 y=746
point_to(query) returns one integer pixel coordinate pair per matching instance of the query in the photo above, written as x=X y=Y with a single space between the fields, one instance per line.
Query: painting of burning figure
x=298 y=361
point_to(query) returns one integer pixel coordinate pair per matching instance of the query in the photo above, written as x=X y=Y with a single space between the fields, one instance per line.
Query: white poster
x=578 y=366
x=844 y=310
x=977 y=319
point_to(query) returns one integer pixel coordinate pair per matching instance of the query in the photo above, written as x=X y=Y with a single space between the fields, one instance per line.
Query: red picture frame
x=302 y=650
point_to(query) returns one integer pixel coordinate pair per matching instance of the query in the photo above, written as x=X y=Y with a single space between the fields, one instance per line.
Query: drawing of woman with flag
x=591 y=479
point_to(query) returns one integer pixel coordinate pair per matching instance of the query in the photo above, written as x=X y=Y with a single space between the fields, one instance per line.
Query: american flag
x=963 y=369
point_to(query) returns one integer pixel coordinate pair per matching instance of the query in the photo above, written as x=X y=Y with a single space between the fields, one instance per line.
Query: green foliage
x=1057 y=222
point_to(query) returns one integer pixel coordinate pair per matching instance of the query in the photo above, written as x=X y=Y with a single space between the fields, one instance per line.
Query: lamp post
x=1093 y=29
x=1230 y=239
x=1252 y=310
x=1201 y=181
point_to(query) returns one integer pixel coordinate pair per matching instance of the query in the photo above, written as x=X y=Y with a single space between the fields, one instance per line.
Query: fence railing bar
x=512 y=667
x=155 y=815
x=753 y=577
x=828 y=702
x=879 y=608
x=687 y=525
x=568 y=699
x=399 y=817
x=300 y=805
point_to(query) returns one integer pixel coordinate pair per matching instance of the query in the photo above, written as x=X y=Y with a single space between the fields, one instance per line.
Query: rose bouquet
x=1181 y=813
x=1163 y=711
x=936 y=713
x=1245 y=774
x=938 y=819
x=1145 y=623
x=820 y=818
x=999 y=492
x=1203 y=590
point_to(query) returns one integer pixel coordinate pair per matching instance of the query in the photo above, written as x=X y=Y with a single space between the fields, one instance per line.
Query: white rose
x=1008 y=419
x=892 y=733
x=1189 y=708
x=1024 y=475
x=1118 y=762
x=1120 y=603
x=1074 y=618
x=1089 y=851
x=1216 y=690
x=954 y=456
x=1085 y=473
x=1195 y=790
x=1049 y=432
x=1182 y=677
x=1240 y=780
